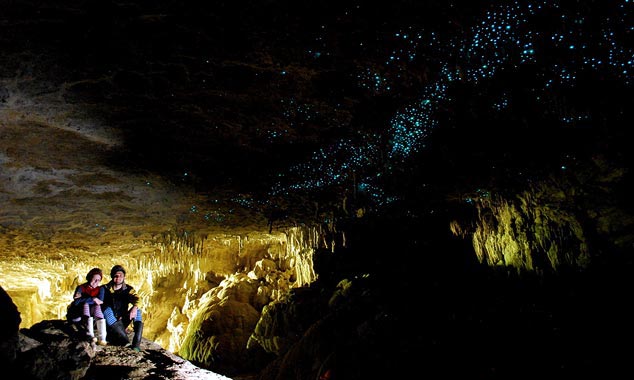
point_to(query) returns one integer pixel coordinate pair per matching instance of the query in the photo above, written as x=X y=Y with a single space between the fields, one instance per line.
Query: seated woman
x=86 y=307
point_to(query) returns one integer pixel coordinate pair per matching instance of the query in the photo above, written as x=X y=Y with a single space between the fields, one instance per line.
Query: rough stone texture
x=217 y=335
x=52 y=349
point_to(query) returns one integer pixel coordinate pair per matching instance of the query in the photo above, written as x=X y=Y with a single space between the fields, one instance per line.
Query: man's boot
x=117 y=330
x=138 y=334
x=101 y=332
x=90 y=329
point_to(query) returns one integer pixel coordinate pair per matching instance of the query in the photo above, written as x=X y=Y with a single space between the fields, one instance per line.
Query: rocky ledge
x=51 y=349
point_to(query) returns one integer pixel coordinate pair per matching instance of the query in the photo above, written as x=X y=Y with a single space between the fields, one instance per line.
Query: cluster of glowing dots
x=329 y=166
x=296 y=116
x=410 y=126
x=396 y=64
x=508 y=35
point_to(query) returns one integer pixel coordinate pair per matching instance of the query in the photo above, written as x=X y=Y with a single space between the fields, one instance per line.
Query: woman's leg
x=89 y=322
x=86 y=310
x=95 y=311
x=101 y=324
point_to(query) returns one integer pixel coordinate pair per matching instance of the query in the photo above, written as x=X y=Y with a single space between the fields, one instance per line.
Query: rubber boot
x=117 y=330
x=101 y=332
x=138 y=334
x=90 y=329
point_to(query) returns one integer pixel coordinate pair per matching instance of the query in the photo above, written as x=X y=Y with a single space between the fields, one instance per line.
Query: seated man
x=117 y=298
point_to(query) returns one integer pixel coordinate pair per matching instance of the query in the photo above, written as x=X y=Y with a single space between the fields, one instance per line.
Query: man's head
x=118 y=274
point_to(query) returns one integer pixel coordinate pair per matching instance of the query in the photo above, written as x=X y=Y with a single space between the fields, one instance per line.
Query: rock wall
x=569 y=220
x=184 y=279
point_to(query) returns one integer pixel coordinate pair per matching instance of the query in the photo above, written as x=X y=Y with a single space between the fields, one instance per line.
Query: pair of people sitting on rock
x=107 y=307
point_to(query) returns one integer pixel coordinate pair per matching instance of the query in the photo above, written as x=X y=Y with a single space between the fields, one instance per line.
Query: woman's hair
x=93 y=272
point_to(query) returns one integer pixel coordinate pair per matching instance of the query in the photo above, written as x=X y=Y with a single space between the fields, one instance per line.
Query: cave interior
x=329 y=189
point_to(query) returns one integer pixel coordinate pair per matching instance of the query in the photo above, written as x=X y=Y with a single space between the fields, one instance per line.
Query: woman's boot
x=101 y=332
x=90 y=329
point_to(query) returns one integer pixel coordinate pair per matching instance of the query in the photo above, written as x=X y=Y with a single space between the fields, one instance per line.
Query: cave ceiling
x=141 y=116
x=136 y=117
